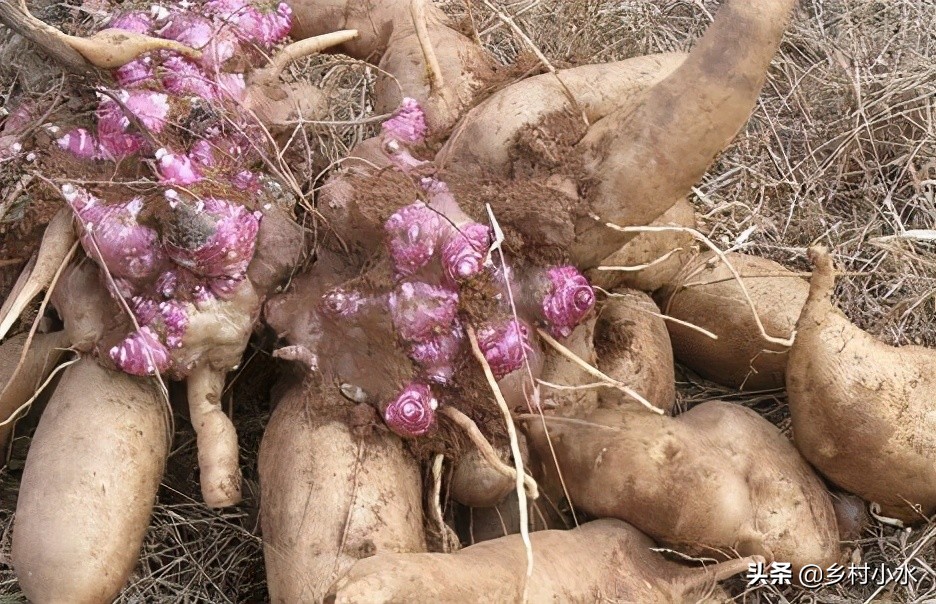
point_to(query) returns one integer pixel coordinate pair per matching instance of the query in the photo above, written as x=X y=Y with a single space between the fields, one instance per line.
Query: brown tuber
x=716 y=479
x=332 y=492
x=100 y=448
x=863 y=412
x=604 y=560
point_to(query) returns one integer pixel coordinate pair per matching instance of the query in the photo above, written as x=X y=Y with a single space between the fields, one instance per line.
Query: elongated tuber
x=100 y=447
x=694 y=481
x=602 y=559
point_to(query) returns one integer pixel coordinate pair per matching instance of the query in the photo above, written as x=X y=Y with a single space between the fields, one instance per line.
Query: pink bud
x=421 y=311
x=245 y=180
x=175 y=321
x=184 y=78
x=189 y=29
x=264 y=28
x=150 y=108
x=144 y=309
x=113 y=237
x=407 y=124
x=464 y=250
x=214 y=240
x=176 y=169
x=412 y=413
x=231 y=85
x=413 y=233
x=436 y=356
x=135 y=21
x=80 y=143
x=505 y=345
x=167 y=284
x=569 y=299
x=135 y=72
x=141 y=353
x=342 y=303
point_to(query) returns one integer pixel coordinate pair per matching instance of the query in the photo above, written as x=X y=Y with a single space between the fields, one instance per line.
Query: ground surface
x=841 y=150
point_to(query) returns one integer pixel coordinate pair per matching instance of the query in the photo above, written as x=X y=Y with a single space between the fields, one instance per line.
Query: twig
x=517 y=455
x=598 y=373
x=487 y=450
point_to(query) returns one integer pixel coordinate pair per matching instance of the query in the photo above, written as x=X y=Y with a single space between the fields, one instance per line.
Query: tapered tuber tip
x=821 y=259
x=569 y=300
x=113 y=48
x=505 y=345
x=412 y=413
x=421 y=310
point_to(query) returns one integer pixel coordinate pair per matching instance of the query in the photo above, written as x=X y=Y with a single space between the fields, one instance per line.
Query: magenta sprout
x=437 y=355
x=141 y=353
x=112 y=235
x=464 y=250
x=421 y=311
x=412 y=413
x=505 y=345
x=407 y=124
x=412 y=235
x=218 y=237
x=176 y=169
x=80 y=143
x=569 y=300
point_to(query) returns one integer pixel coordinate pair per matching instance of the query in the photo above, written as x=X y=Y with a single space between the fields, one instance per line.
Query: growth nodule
x=569 y=300
x=505 y=345
x=412 y=413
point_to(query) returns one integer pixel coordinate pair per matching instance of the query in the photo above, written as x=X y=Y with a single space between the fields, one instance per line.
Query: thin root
x=517 y=456
x=487 y=450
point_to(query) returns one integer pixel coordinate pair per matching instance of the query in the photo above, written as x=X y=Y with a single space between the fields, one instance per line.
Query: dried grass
x=841 y=150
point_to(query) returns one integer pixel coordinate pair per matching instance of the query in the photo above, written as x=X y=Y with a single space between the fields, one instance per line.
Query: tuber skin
x=862 y=410
x=332 y=491
x=622 y=569
x=643 y=158
x=19 y=383
x=634 y=348
x=101 y=446
x=693 y=481
x=476 y=149
x=706 y=294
